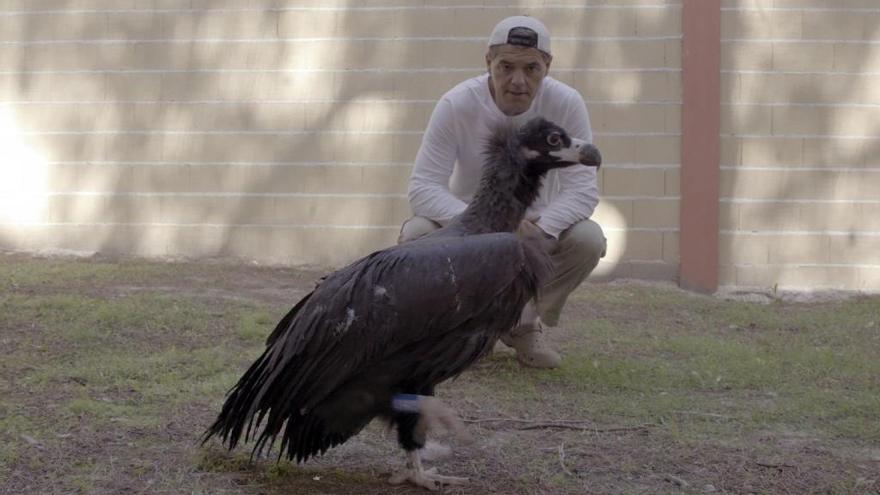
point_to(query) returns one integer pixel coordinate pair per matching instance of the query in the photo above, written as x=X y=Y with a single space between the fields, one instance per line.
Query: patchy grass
x=112 y=369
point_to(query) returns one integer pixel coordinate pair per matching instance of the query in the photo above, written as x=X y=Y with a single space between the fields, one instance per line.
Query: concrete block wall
x=284 y=131
x=800 y=141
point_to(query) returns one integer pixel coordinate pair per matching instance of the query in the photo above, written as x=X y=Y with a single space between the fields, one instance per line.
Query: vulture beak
x=581 y=152
x=589 y=155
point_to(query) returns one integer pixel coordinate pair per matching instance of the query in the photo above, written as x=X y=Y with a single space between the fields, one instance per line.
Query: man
x=449 y=162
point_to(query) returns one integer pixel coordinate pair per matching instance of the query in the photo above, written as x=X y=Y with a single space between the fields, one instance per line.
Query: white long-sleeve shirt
x=450 y=160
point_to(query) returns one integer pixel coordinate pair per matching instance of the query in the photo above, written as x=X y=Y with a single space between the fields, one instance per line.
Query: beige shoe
x=531 y=351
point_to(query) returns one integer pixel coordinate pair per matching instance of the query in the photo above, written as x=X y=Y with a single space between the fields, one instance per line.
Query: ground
x=111 y=369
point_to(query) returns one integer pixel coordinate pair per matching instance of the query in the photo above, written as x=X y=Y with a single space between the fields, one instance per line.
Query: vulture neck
x=506 y=191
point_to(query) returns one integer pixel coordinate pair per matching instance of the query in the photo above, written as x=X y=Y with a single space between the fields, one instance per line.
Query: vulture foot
x=428 y=479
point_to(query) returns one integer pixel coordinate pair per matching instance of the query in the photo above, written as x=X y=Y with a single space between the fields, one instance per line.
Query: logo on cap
x=522 y=36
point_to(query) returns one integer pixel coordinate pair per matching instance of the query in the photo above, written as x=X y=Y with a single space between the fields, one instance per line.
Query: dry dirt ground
x=111 y=369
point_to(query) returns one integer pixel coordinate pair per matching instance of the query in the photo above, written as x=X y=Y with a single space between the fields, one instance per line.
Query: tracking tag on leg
x=405 y=403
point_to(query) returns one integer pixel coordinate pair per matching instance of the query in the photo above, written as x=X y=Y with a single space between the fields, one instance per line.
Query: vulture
x=374 y=338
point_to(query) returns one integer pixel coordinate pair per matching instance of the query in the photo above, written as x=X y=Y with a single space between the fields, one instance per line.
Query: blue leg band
x=405 y=403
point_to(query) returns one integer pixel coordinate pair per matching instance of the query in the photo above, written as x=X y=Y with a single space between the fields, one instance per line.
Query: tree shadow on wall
x=830 y=145
x=177 y=132
x=174 y=117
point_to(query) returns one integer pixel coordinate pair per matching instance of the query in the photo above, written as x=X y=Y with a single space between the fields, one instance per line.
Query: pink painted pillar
x=700 y=144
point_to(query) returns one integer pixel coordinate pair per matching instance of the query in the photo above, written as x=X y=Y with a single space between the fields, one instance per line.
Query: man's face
x=515 y=74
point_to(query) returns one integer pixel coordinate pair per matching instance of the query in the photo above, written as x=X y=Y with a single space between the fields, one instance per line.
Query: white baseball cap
x=521 y=30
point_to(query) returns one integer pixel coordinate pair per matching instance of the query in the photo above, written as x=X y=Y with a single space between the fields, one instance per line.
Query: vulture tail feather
x=247 y=403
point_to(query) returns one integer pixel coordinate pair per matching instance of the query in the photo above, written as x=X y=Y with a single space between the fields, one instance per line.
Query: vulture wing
x=377 y=307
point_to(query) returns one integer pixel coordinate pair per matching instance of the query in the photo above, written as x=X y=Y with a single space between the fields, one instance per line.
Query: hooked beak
x=581 y=152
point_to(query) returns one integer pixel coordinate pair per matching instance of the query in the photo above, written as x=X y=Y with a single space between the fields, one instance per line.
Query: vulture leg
x=412 y=429
x=435 y=451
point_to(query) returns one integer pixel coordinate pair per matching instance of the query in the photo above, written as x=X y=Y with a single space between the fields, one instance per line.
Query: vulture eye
x=554 y=139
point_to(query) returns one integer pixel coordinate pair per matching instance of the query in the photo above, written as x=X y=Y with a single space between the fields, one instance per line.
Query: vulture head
x=546 y=146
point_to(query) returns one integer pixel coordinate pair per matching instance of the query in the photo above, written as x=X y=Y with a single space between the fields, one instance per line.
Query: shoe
x=531 y=351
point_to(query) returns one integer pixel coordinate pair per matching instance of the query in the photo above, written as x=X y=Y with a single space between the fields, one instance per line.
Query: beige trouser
x=575 y=255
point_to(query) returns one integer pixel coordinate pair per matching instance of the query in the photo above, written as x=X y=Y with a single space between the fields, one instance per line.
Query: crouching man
x=449 y=162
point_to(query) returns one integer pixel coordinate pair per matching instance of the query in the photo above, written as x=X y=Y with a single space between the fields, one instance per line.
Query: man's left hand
x=528 y=230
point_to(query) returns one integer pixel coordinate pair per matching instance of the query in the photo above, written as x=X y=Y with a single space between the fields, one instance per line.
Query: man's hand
x=528 y=231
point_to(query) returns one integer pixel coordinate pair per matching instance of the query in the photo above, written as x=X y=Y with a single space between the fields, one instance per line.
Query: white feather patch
x=530 y=153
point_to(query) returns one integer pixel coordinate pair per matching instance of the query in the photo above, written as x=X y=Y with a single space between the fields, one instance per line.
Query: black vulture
x=373 y=339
